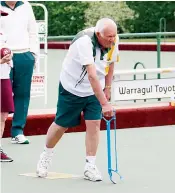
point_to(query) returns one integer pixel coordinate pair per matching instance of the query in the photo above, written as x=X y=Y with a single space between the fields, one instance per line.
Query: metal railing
x=162 y=25
x=157 y=35
x=135 y=67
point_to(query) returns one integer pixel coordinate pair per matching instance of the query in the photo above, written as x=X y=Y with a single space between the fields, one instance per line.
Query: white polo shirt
x=20 y=27
x=74 y=77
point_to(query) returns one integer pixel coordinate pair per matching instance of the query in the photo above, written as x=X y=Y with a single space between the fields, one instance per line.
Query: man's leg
x=21 y=79
x=92 y=115
x=92 y=136
x=69 y=108
x=54 y=134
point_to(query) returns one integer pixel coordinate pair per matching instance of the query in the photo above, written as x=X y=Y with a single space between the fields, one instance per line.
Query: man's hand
x=6 y=59
x=107 y=110
x=107 y=92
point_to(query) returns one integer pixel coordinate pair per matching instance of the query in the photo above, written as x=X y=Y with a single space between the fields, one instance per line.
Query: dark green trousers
x=21 y=75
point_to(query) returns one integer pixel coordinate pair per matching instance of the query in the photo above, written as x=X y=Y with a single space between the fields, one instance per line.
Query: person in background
x=85 y=83
x=6 y=98
x=22 y=38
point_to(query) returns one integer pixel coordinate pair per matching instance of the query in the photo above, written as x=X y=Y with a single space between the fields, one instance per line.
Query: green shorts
x=69 y=108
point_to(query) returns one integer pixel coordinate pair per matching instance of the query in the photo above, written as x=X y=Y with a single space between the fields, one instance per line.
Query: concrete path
x=146 y=161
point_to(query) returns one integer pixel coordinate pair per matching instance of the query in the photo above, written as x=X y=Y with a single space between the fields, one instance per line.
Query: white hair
x=103 y=23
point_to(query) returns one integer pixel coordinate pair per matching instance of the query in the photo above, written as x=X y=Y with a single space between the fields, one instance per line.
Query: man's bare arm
x=109 y=76
x=93 y=79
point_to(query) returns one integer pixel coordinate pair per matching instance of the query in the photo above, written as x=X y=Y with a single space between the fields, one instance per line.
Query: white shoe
x=20 y=139
x=91 y=173
x=43 y=164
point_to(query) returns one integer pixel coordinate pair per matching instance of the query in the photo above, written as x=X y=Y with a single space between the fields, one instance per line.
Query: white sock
x=90 y=160
x=48 y=150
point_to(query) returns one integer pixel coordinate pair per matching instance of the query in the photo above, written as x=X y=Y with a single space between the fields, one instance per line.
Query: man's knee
x=93 y=125
x=58 y=127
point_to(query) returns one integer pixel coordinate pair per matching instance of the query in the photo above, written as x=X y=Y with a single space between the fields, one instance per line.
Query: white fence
x=124 y=90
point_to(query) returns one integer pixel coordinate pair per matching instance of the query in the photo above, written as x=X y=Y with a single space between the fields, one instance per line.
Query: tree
x=117 y=10
x=65 y=17
x=69 y=17
x=147 y=15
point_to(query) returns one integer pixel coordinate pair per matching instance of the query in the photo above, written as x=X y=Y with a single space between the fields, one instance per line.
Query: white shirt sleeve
x=85 y=50
x=33 y=32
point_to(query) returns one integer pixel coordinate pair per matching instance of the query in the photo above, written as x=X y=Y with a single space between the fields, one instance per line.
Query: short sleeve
x=85 y=50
